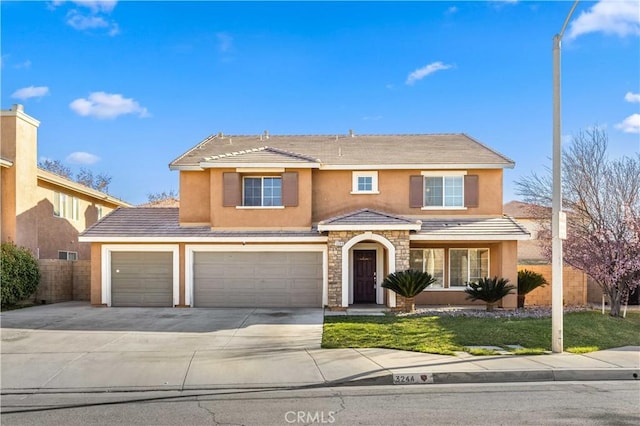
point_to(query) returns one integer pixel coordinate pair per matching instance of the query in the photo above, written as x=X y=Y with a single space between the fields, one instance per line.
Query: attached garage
x=257 y=279
x=140 y=278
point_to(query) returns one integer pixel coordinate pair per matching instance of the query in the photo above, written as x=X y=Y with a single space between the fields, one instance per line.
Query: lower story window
x=465 y=265
x=67 y=255
x=430 y=261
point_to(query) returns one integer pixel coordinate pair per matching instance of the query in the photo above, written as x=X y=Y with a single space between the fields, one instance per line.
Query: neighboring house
x=312 y=221
x=575 y=284
x=41 y=210
x=530 y=251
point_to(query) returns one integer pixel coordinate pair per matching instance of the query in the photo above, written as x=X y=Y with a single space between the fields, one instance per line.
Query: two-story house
x=40 y=210
x=302 y=221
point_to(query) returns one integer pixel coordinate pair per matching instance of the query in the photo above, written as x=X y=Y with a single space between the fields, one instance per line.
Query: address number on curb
x=412 y=379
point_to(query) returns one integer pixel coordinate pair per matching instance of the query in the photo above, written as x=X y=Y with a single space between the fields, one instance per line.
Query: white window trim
x=374 y=182
x=262 y=195
x=75 y=208
x=63 y=208
x=443 y=174
x=67 y=254
x=463 y=287
x=107 y=249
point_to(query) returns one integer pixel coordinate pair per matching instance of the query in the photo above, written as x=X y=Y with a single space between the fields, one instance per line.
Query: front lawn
x=583 y=332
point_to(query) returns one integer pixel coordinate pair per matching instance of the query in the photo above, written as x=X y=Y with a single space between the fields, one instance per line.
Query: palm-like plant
x=490 y=290
x=527 y=282
x=408 y=284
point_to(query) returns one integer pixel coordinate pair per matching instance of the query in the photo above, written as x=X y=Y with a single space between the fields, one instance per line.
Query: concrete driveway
x=74 y=345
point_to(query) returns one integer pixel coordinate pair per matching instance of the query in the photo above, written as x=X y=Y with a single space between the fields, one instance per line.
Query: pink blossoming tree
x=602 y=201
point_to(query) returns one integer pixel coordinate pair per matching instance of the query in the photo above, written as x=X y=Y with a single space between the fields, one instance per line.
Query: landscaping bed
x=446 y=332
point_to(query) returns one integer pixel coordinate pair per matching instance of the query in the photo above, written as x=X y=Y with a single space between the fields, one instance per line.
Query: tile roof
x=417 y=150
x=263 y=154
x=158 y=224
x=370 y=218
x=492 y=228
x=163 y=223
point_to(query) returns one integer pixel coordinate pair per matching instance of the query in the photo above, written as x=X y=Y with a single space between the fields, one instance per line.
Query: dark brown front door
x=364 y=276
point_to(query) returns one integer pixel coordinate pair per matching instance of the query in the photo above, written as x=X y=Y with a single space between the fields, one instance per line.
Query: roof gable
x=368 y=219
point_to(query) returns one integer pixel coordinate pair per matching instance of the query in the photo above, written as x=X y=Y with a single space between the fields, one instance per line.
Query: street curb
x=384 y=379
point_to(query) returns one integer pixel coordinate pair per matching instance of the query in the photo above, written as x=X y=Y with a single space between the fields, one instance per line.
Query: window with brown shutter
x=290 y=189
x=471 y=190
x=232 y=191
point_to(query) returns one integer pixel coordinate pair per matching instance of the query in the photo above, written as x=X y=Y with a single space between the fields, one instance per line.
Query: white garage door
x=141 y=279
x=257 y=279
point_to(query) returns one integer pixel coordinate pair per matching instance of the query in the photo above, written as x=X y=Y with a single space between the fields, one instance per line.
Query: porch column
x=335 y=242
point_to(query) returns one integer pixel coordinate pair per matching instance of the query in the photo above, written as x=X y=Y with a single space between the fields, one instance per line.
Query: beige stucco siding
x=332 y=194
x=19 y=137
x=502 y=263
x=266 y=218
x=58 y=233
x=195 y=196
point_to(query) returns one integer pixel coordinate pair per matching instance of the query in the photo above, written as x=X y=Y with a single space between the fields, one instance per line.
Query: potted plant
x=489 y=290
x=527 y=282
x=408 y=284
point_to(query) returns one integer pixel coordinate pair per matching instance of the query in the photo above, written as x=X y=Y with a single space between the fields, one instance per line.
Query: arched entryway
x=365 y=254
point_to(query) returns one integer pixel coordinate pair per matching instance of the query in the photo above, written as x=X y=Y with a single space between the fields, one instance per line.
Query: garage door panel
x=258 y=279
x=142 y=279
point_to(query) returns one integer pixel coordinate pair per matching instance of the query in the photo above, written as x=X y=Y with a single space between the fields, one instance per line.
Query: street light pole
x=558 y=221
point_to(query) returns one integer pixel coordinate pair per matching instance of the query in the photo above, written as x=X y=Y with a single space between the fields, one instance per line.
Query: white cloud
x=30 y=92
x=631 y=124
x=82 y=22
x=451 y=10
x=26 y=65
x=225 y=42
x=421 y=73
x=96 y=6
x=107 y=105
x=632 y=97
x=619 y=17
x=81 y=157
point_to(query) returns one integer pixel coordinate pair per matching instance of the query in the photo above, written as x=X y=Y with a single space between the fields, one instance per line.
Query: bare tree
x=99 y=182
x=602 y=201
x=56 y=166
x=162 y=196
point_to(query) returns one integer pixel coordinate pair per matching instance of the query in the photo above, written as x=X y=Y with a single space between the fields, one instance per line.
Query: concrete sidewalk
x=184 y=369
x=76 y=348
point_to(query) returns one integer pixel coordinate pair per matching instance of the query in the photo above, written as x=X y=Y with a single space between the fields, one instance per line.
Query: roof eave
x=345 y=227
x=469 y=237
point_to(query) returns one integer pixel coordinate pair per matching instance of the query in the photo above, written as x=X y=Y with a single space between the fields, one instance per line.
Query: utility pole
x=558 y=220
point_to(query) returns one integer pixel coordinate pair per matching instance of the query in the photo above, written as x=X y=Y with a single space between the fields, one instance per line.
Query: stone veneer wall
x=337 y=239
x=63 y=280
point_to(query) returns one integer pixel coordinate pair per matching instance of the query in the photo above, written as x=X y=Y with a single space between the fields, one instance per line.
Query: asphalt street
x=540 y=403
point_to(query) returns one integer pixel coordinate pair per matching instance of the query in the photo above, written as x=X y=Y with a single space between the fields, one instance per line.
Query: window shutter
x=471 y=191
x=232 y=192
x=416 y=191
x=290 y=189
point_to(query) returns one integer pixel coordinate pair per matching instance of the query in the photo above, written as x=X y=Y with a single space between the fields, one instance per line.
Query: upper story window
x=100 y=211
x=365 y=183
x=263 y=191
x=65 y=206
x=443 y=190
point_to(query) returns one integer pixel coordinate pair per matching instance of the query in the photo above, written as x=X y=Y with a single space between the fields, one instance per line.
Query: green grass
x=583 y=332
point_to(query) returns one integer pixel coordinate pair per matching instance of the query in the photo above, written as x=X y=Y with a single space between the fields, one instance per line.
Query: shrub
x=527 y=282
x=489 y=290
x=408 y=284
x=19 y=274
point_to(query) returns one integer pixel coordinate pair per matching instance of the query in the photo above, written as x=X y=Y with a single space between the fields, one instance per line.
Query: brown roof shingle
x=418 y=150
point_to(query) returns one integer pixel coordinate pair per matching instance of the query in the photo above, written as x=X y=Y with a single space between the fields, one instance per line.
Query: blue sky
x=125 y=87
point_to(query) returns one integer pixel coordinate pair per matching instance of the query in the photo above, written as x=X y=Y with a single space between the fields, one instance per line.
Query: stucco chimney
x=17 y=107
